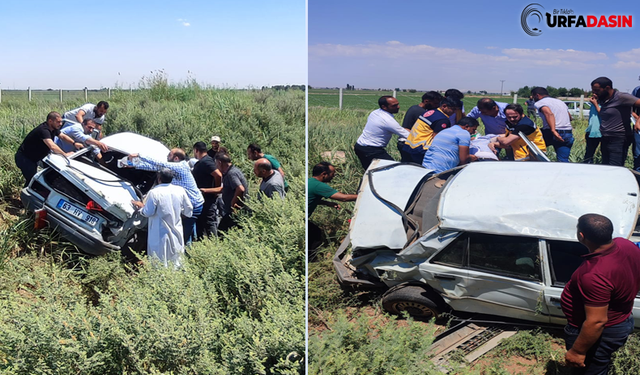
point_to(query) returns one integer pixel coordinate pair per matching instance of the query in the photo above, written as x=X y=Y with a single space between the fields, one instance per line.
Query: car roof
x=542 y=200
x=132 y=143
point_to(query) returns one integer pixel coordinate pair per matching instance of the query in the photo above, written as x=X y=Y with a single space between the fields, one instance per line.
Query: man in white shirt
x=556 y=130
x=378 y=131
x=87 y=111
x=163 y=205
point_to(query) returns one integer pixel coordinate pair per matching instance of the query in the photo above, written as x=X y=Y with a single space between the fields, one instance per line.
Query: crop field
x=237 y=307
x=368 y=99
x=349 y=332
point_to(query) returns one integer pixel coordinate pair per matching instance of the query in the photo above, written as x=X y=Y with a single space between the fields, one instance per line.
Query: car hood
x=132 y=143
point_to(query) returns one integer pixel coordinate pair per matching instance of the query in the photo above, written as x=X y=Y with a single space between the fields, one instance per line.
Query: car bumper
x=347 y=277
x=67 y=228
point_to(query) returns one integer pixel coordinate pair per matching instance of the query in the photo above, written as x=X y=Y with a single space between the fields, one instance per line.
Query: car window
x=565 y=257
x=510 y=256
x=452 y=255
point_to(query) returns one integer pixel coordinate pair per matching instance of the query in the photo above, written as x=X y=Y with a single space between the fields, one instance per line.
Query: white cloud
x=557 y=55
x=628 y=59
x=184 y=22
x=627 y=65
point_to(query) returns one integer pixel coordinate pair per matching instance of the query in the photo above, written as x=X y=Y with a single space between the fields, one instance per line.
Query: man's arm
x=637 y=118
x=551 y=120
x=54 y=147
x=235 y=202
x=217 y=178
x=281 y=172
x=596 y=318
x=393 y=126
x=100 y=145
x=475 y=113
x=508 y=140
x=344 y=197
x=80 y=115
x=465 y=157
x=67 y=139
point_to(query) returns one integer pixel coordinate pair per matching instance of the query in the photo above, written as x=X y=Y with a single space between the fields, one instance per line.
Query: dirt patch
x=334 y=157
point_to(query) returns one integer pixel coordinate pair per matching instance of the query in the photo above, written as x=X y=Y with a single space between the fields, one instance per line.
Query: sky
x=468 y=45
x=75 y=44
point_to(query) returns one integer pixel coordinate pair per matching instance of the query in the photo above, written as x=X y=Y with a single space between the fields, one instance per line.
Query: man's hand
x=636 y=127
x=138 y=205
x=132 y=156
x=78 y=145
x=473 y=158
x=334 y=205
x=557 y=136
x=573 y=359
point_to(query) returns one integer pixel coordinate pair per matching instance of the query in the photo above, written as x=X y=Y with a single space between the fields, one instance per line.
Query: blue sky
x=466 y=45
x=73 y=44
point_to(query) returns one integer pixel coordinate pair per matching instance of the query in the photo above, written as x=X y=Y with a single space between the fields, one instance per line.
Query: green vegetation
x=333 y=130
x=237 y=307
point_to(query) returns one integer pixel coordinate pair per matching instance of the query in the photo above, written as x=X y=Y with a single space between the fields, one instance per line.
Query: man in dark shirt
x=207 y=175
x=234 y=191
x=615 y=121
x=38 y=143
x=215 y=147
x=531 y=108
x=599 y=298
x=430 y=100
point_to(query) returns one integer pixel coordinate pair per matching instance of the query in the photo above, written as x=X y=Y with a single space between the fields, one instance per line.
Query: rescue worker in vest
x=516 y=123
x=427 y=126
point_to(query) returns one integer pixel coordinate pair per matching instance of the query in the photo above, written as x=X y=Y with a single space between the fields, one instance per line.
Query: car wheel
x=413 y=299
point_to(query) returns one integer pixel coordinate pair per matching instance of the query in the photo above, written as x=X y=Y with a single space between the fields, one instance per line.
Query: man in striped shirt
x=177 y=163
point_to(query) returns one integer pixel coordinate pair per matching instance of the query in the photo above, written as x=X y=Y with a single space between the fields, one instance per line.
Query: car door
x=505 y=277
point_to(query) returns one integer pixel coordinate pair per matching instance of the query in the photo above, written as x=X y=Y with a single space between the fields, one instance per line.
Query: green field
x=237 y=307
x=93 y=96
x=368 y=99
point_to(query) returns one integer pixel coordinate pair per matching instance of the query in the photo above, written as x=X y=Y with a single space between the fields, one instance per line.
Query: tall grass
x=237 y=307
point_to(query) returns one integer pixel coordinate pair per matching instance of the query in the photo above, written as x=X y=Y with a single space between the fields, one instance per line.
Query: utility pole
x=501 y=84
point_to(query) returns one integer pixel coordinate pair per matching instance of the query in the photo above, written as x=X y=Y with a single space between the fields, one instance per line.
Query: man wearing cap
x=556 y=130
x=377 y=132
x=215 y=147
x=427 y=126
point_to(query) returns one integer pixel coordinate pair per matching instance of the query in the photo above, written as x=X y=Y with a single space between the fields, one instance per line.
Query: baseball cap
x=215 y=138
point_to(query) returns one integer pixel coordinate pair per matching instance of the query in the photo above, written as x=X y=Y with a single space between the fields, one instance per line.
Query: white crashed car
x=90 y=203
x=495 y=238
x=574 y=109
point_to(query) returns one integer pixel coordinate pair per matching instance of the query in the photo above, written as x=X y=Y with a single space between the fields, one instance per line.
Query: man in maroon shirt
x=598 y=299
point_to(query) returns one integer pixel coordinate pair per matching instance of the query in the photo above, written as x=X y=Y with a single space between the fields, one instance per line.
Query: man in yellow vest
x=427 y=126
x=516 y=123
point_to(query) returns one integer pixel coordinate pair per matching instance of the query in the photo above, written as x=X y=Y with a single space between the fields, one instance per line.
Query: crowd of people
x=192 y=199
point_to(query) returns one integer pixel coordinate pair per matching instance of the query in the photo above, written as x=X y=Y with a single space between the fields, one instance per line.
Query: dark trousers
x=207 y=222
x=27 y=166
x=615 y=149
x=590 y=150
x=636 y=151
x=315 y=240
x=366 y=154
x=227 y=222
x=598 y=356
x=405 y=157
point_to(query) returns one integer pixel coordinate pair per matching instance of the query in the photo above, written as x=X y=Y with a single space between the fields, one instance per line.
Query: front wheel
x=413 y=299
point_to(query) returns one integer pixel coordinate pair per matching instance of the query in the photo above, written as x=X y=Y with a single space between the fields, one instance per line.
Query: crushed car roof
x=541 y=200
x=132 y=143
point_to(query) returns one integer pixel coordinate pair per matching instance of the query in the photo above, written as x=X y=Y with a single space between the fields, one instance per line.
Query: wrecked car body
x=495 y=238
x=89 y=202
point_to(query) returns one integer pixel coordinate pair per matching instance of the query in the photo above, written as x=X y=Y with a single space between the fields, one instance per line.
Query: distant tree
x=468 y=91
x=553 y=92
x=576 y=91
x=397 y=89
x=562 y=91
x=482 y=92
x=412 y=90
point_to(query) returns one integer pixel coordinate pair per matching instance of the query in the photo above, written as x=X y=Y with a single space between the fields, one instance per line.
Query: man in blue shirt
x=450 y=147
x=492 y=115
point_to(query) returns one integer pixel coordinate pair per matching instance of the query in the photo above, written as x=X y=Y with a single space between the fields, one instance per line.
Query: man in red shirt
x=598 y=299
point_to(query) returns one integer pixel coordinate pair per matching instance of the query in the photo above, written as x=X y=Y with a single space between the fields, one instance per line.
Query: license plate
x=77 y=212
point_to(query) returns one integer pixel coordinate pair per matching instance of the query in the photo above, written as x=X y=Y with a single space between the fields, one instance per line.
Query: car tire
x=413 y=299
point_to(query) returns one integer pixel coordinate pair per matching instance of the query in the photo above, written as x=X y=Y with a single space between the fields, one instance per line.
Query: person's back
x=559 y=110
x=444 y=151
x=609 y=277
x=273 y=184
x=230 y=181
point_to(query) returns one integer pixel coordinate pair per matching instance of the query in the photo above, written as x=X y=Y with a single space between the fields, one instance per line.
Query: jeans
x=207 y=222
x=563 y=148
x=366 y=154
x=405 y=157
x=598 y=356
x=636 y=151
x=615 y=149
x=189 y=226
